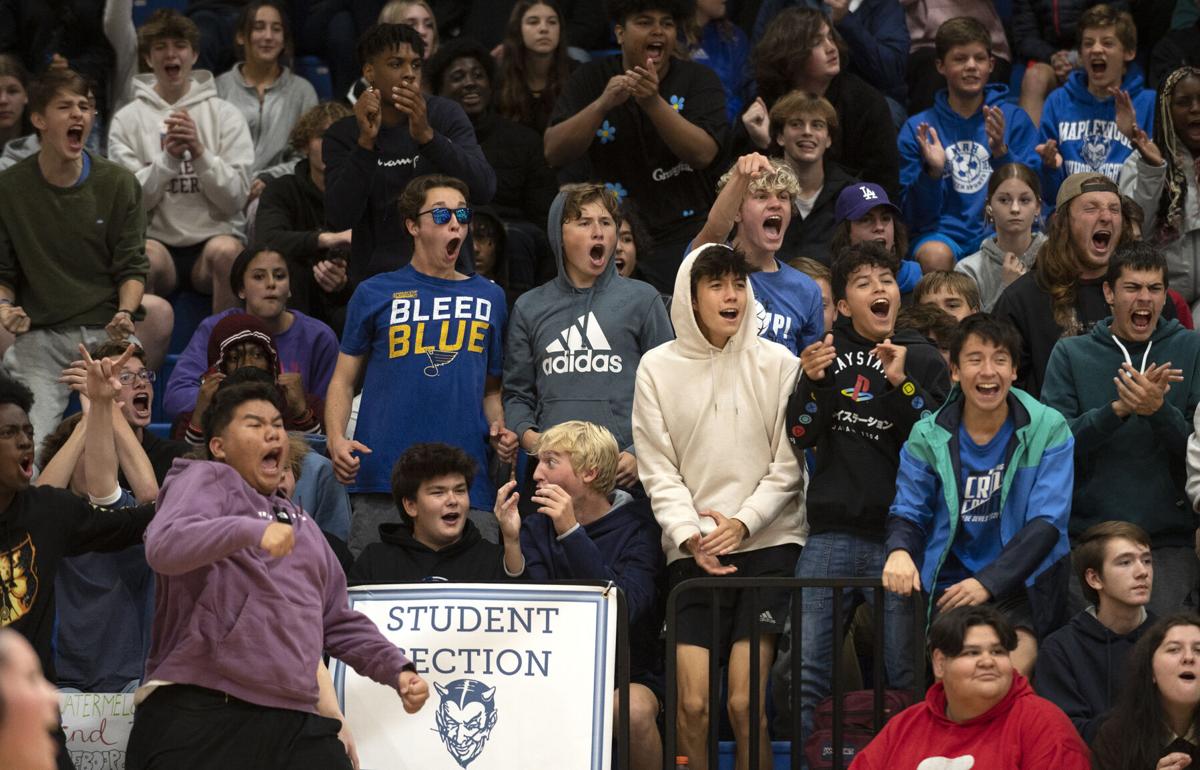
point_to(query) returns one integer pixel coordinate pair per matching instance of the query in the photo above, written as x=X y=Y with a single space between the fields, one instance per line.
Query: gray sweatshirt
x=573 y=354
x=270 y=120
x=986 y=266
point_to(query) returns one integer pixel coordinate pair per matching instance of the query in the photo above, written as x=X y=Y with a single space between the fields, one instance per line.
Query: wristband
x=126 y=312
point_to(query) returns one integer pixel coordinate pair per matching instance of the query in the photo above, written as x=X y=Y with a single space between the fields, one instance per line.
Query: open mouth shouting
x=773 y=226
x=1142 y=320
x=881 y=309
x=26 y=466
x=452 y=247
x=597 y=258
x=173 y=70
x=656 y=51
x=1097 y=66
x=270 y=464
x=1102 y=241
x=140 y=404
x=75 y=137
x=451 y=518
x=731 y=315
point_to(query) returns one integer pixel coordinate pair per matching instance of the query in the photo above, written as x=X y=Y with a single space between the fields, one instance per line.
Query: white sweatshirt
x=708 y=426
x=188 y=201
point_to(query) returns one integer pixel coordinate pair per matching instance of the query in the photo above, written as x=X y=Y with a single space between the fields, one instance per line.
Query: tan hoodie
x=708 y=425
x=187 y=201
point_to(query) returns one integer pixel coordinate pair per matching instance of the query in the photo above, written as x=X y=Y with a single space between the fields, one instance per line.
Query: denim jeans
x=837 y=555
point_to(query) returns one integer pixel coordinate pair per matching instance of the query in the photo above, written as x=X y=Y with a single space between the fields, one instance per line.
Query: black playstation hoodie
x=857 y=422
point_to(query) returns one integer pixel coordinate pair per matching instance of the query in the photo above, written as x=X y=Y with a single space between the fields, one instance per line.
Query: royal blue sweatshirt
x=953 y=205
x=1086 y=129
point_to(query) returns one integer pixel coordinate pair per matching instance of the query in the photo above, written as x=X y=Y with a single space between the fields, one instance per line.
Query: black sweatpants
x=182 y=727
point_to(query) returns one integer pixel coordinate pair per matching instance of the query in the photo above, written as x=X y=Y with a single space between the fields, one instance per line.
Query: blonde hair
x=780 y=179
x=298 y=448
x=393 y=13
x=590 y=447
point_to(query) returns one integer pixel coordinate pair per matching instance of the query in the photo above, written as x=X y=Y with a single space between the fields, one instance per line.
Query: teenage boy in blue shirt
x=948 y=151
x=984 y=494
x=1079 y=130
x=429 y=339
x=756 y=196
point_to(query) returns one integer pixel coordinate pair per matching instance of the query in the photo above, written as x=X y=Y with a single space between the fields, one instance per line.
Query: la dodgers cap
x=1086 y=182
x=858 y=198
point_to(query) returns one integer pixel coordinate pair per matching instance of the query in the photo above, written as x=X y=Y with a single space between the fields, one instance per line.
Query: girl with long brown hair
x=533 y=63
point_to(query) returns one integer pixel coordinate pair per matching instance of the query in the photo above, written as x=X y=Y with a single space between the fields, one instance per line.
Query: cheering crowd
x=790 y=288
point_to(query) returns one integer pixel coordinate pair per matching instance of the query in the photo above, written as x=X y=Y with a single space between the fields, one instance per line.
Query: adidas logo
x=576 y=349
x=766 y=617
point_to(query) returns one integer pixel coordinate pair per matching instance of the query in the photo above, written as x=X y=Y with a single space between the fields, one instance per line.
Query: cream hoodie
x=708 y=426
x=188 y=201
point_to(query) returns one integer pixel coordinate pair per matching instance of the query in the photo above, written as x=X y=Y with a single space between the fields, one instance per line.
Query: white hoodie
x=708 y=426
x=188 y=201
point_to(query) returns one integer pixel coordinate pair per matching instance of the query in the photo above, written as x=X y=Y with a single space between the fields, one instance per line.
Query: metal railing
x=718 y=584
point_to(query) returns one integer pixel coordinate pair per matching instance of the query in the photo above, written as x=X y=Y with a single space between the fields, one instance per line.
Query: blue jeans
x=837 y=555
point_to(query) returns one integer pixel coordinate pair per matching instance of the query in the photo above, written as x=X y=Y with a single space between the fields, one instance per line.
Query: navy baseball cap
x=859 y=198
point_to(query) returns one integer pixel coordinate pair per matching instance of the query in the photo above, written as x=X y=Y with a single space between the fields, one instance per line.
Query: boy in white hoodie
x=192 y=152
x=724 y=486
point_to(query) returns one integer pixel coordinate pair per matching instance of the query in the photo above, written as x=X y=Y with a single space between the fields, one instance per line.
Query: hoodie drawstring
x=1128 y=360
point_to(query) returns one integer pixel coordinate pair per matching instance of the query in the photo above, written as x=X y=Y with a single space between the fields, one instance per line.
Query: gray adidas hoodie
x=573 y=354
x=986 y=266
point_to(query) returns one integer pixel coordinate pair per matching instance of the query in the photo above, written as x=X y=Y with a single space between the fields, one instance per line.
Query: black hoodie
x=857 y=423
x=401 y=559
x=41 y=526
x=1080 y=668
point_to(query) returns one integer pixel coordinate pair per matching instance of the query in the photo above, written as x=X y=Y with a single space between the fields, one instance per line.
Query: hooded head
x=582 y=226
x=709 y=290
x=240 y=339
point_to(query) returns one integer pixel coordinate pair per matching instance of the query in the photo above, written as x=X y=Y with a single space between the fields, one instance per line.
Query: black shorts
x=185 y=259
x=738 y=609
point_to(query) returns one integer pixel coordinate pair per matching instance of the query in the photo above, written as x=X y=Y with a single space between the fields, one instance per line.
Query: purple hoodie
x=230 y=617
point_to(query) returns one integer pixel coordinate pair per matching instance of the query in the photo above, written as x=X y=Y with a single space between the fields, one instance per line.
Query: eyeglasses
x=145 y=375
x=441 y=214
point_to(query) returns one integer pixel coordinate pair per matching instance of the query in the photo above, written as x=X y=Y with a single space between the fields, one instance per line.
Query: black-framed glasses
x=441 y=214
x=146 y=375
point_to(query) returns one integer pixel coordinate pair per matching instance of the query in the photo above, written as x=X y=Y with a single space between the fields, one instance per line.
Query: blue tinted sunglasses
x=441 y=215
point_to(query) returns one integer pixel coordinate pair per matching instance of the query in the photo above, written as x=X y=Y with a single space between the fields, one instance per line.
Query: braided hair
x=1170 y=207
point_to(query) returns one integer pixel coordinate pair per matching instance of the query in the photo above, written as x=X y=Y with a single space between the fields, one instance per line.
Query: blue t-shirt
x=788 y=307
x=430 y=343
x=977 y=541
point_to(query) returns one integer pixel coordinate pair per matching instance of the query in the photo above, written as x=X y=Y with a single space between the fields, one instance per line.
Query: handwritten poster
x=97 y=727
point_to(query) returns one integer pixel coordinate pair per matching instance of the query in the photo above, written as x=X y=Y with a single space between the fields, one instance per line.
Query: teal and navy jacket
x=1035 y=504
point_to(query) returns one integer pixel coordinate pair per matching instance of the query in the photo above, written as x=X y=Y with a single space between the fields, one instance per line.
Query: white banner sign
x=519 y=677
x=97 y=727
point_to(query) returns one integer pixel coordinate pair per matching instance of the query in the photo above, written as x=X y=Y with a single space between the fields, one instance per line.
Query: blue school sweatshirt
x=953 y=205
x=1086 y=129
